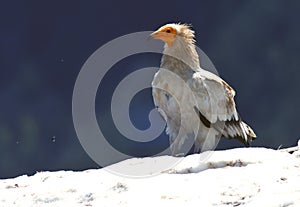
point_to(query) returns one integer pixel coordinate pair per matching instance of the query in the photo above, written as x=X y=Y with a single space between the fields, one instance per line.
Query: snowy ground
x=237 y=177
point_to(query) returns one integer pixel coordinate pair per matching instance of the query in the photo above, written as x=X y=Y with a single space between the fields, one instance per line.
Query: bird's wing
x=216 y=107
x=214 y=97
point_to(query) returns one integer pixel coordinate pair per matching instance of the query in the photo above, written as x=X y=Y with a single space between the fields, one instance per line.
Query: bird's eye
x=168 y=31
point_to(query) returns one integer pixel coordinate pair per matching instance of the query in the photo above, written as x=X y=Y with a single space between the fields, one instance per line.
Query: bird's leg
x=174 y=149
x=175 y=141
x=183 y=143
x=197 y=146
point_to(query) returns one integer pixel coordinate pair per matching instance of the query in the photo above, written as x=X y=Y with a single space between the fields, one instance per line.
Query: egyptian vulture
x=197 y=105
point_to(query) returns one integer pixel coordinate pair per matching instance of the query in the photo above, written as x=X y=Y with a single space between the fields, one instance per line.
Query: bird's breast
x=175 y=101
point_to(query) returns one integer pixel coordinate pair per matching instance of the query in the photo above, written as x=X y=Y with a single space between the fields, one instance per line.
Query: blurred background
x=43 y=44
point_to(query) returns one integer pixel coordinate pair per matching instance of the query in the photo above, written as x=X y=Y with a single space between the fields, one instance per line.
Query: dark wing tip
x=203 y=119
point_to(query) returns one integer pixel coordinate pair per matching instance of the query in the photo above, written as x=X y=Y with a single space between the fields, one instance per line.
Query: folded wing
x=216 y=107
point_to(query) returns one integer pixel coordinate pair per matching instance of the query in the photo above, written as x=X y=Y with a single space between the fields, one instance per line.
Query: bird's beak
x=158 y=35
x=166 y=37
x=152 y=35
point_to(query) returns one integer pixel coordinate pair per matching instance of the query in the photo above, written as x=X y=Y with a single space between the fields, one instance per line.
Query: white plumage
x=197 y=105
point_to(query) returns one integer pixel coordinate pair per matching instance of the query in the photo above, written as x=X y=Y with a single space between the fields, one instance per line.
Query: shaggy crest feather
x=187 y=32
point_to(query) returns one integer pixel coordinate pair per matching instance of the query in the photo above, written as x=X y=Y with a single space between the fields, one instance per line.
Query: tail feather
x=249 y=131
x=243 y=133
x=232 y=129
x=236 y=130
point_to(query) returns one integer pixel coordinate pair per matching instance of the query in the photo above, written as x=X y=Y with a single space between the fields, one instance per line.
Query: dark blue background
x=43 y=45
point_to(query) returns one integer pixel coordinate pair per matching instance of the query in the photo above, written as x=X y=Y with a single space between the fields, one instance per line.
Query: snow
x=236 y=177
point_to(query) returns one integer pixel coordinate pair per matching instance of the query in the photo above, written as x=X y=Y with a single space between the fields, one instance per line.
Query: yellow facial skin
x=166 y=34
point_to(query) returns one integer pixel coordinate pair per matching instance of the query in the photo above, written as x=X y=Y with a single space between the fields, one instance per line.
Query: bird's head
x=169 y=33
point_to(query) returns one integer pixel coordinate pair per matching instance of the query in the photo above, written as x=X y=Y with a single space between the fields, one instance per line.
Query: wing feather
x=215 y=99
x=214 y=96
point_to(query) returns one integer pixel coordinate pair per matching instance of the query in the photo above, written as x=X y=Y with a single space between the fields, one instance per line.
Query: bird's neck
x=181 y=57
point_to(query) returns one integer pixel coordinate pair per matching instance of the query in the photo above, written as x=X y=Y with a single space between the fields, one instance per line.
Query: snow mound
x=237 y=177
